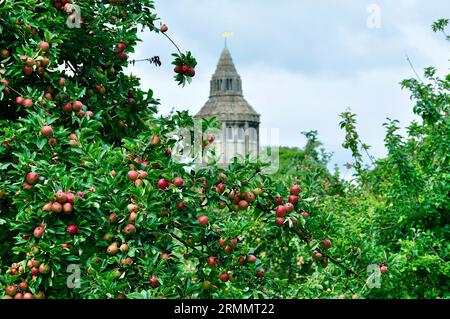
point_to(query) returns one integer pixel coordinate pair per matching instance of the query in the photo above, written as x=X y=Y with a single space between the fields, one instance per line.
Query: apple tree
x=92 y=204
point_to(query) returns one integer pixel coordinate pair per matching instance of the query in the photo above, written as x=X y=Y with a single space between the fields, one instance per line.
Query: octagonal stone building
x=240 y=122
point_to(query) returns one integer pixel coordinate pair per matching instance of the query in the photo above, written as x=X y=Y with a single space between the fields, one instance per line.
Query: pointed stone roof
x=226 y=100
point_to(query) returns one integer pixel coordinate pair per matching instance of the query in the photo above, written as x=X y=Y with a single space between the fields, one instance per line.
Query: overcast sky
x=303 y=62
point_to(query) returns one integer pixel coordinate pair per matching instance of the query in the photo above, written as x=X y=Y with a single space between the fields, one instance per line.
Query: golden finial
x=227 y=35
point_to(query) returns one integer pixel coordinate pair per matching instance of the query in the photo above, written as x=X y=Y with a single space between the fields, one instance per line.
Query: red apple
x=293 y=199
x=281 y=211
x=203 y=220
x=27 y=103
x=56 y=207
x=178 y=182
x=163 y=184
x=279 y=221
x=129 y=230
x=224 y=277
x=133 y=175
x=164 y=28
x=243 y=205
x=326 y=243
x=38 y=232
x=46 y=130
x=32 y=178
x=260 y=273
x=72 y=229
x=67 y=208
x=252 y=259
x=289 y=207
x=44 y=46
x=154 y=282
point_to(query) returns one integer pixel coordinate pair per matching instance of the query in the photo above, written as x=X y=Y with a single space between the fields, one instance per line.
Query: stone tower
x=240 y=122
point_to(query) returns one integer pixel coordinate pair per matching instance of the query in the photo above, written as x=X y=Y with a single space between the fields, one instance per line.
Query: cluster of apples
x=282 y=210
x=64 y=202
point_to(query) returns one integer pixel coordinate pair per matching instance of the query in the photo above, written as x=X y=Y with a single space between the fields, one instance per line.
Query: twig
x=412 y=67
x=176 y=46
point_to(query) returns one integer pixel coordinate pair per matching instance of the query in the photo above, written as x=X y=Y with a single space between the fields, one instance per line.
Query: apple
x=23 y=286
x=113 y=218
x=19 y=100
x=178 y=69
x=34 y=271
x=4 y=53
x=281 y=211
x=48 y=96
x=293 y=199
x=112 y=249
x=52 y=142
x=133 y=175
x=185 y=68
x=252 y=259
x=279 y=200
x=383 y=269
x=67 y=208
x=28 y=295
x=123 y=56
x=154 y=282
x=249 y=197
x=206 y=284
x=44 y=269
x=77 y=106
x=203 y=220
x=220 y=188
x=260 y=273
x=27 y=103
x=133 y=208
x=164 y=28
x=224 y=277
x=212 y=261
x=142 y=174
x=56 y=207
x=39 y=232
x=257 y=191
x=47 y=207
x=32 y=178
x=46 y=130
x=121 y=47
x=39 y=295
x=243 y=205
x=228 y=249
x=326 y=243
x=289 y=207
x=44 y=46
x=305 y=214
x=164 y=256
x=221 y=242
x=62 y=82
x=190 y=72
x=61 y=197
x=72 y=229
x=241 y=260
x=18 y=296
x=163 y=184
x=155 y=140
x=27 y=70
x=317 y=255
x=11 y=290
x=178 y=182
x=280 y=221
x=129 y=229
x=70 y=197
x=124 y=248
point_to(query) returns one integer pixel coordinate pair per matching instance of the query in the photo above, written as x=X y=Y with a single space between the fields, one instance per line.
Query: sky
x=302 y=63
